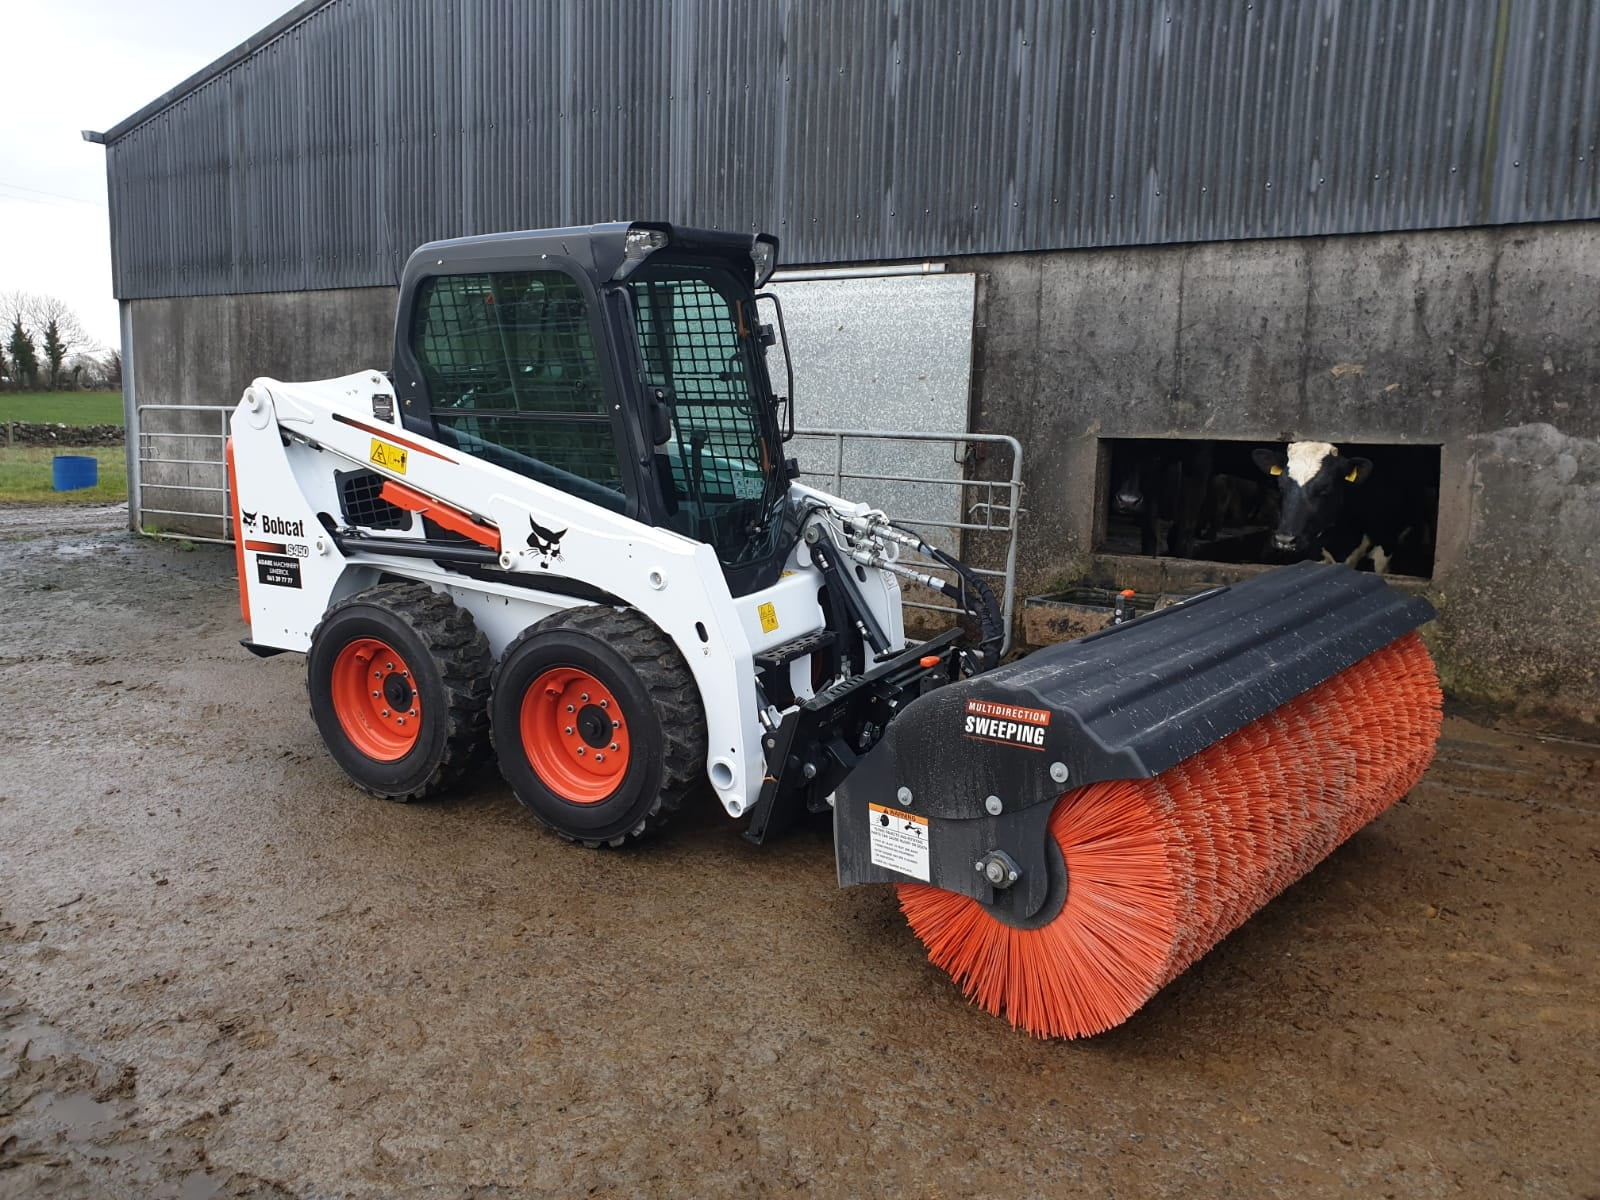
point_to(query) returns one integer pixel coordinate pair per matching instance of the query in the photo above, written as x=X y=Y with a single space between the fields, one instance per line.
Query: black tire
x=445 y=683
x=661 y=717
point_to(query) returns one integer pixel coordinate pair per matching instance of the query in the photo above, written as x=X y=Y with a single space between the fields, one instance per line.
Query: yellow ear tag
x=1275 y=470
x=1351 y=478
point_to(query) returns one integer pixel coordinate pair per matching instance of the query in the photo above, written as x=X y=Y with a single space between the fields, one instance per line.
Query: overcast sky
x=71 y=65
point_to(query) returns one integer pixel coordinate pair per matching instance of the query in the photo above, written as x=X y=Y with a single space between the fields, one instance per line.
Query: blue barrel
x=72 y=472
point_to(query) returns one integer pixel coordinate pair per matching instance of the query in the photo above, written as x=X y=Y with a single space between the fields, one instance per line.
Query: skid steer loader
x=563 y=530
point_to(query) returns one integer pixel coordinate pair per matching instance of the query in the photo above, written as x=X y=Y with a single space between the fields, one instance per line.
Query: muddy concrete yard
x=224 y=972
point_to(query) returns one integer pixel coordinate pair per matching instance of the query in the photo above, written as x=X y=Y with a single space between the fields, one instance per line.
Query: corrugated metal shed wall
x=857 y=130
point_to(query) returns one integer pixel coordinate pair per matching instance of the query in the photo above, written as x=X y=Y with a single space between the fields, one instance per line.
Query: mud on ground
x=225 y=973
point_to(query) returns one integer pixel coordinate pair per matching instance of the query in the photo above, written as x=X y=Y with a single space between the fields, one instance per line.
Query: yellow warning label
x=389 y=457
x=769 y=618
x=898 y=841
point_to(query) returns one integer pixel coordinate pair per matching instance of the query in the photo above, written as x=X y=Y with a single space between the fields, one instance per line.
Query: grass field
x=25 y=473
x=68 y=408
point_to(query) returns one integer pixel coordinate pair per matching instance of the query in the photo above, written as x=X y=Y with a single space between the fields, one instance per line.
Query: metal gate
x=981 y=524
x=179 y=487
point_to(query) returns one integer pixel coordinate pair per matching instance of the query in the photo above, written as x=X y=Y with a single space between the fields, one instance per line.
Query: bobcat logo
x=546 y=543
x=249 y=519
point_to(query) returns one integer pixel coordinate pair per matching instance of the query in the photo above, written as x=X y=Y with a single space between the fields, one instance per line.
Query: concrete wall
x=1481 y=341
x=204 y=351
x=207 y=349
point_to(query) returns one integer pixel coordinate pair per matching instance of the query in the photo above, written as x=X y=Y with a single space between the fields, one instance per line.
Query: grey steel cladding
x=352 y=131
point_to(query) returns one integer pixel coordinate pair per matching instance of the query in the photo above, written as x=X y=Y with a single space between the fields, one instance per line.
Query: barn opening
x=1219 y=501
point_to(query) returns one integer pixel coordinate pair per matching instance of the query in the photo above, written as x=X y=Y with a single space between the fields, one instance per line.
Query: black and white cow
x=1328 y=509
x=1158 y=480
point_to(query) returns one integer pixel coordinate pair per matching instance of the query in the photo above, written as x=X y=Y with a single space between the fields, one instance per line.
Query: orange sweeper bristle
x=1160 y=870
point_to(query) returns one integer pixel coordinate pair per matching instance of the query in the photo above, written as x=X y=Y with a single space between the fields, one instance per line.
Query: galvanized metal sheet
x=857 y=130
x=884 y=354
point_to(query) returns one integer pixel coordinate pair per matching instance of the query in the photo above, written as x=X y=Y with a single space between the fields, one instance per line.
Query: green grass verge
x=25 y=474
x=66 y=408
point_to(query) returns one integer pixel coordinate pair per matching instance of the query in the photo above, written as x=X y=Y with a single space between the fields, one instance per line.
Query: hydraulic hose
x=968 y=590
x=976 y=600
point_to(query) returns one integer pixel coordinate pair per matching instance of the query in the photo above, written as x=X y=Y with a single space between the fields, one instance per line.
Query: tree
x=3 y=364
x=52 y=322
x=24 y=358
x=98 y=370
x=55 y=353
x=55 y=324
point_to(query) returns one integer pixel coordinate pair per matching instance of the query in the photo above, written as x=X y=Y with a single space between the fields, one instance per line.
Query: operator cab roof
x=603 y=252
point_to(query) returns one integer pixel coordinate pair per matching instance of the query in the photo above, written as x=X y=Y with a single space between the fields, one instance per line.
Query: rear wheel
x=597 y=724
x=398 y=677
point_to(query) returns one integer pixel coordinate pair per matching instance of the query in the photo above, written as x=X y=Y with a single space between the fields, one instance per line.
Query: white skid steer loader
x=563 y=529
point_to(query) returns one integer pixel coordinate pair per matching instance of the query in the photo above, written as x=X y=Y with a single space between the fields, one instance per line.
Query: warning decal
x=390 y=457
x=899 y=841
x=769 y=618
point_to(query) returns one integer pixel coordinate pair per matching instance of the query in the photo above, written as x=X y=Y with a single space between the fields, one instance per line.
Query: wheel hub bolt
x=999 y=869
x=605 y=704
x=569 y=730
x=584 y=697
x=599 y=758
x=580 y=751
x=613 y=745
x=386 y=712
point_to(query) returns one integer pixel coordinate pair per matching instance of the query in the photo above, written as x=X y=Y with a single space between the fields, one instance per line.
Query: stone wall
x=51 y=433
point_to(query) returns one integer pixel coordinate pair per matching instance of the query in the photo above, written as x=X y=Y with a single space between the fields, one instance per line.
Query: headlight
x=638 y=245
x=640 y=242
x=765 y=256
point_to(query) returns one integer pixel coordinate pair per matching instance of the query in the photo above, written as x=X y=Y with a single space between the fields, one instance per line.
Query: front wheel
x=597 y=724
x=398 y=680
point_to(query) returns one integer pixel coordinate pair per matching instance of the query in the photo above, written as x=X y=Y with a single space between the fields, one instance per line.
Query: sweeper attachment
x=1089 y=821
x=562 y=531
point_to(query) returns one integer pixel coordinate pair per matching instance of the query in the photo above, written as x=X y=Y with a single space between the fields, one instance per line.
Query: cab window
x=515 y=378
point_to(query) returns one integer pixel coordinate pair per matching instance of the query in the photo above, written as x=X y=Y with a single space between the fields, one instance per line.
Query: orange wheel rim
x=574 y=734
x=375 y=698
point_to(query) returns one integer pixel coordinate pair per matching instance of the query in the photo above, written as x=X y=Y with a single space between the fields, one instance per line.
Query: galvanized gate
x=179 y=485
x=966 y=500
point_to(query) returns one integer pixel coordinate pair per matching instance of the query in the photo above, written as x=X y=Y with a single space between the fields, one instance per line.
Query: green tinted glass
x=515 y=377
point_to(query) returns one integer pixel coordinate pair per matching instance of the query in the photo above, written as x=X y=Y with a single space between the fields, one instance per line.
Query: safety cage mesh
x=697 y=346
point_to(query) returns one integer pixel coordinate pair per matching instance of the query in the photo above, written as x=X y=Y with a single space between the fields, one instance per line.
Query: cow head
x=1313 y=478
x=1128 y=499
